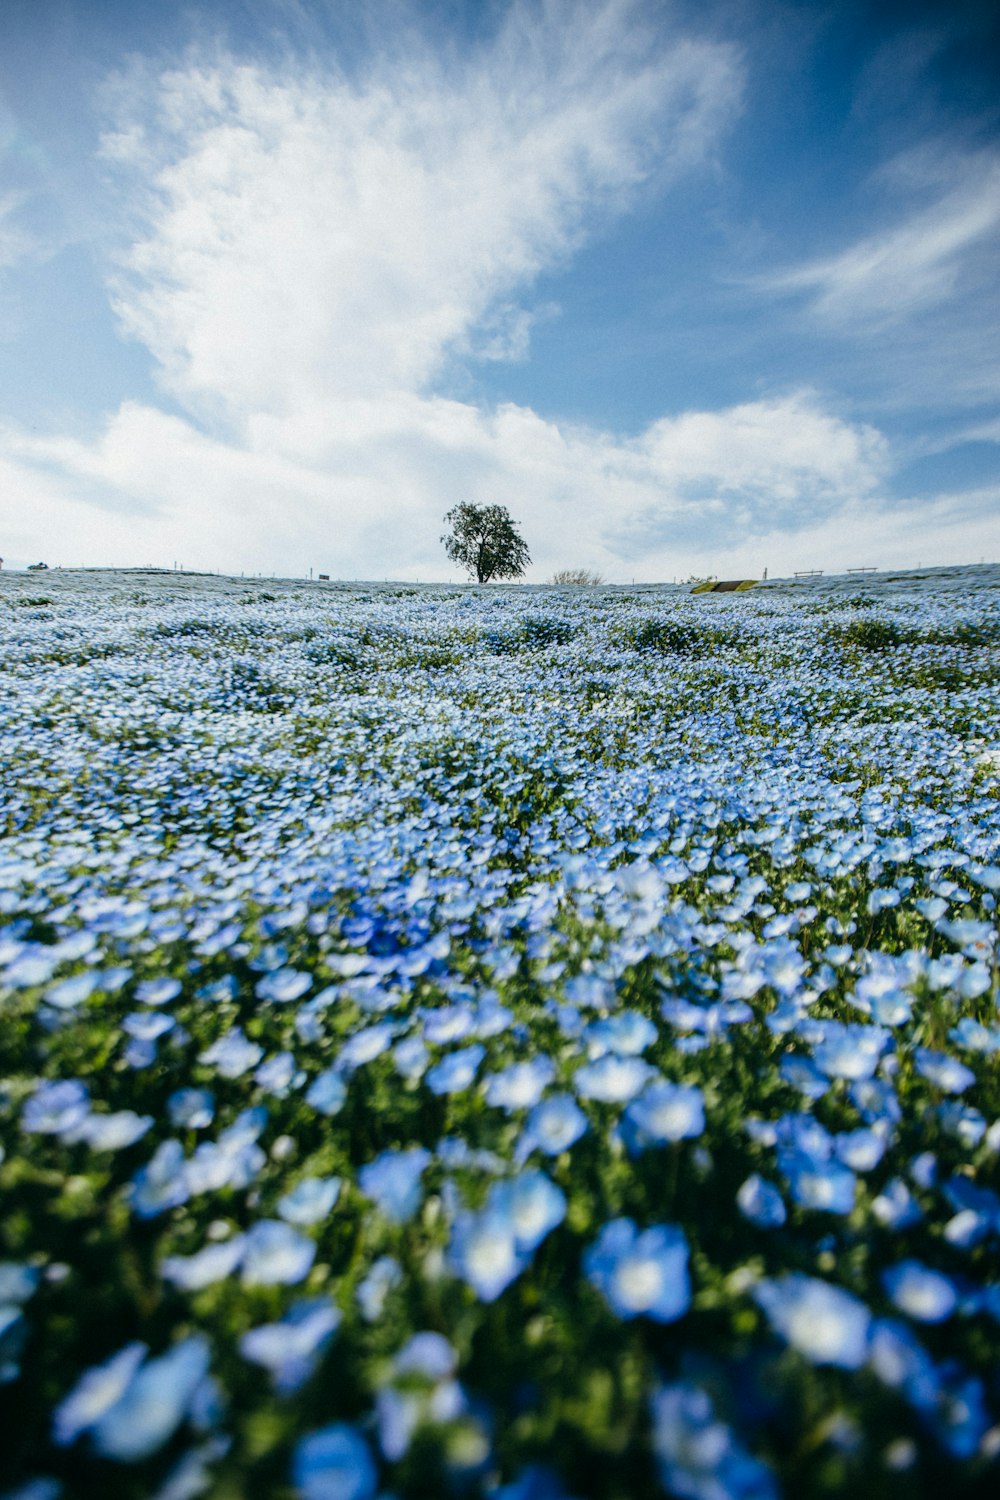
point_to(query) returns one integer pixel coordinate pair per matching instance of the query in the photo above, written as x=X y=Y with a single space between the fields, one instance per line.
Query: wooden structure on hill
x=728 y=586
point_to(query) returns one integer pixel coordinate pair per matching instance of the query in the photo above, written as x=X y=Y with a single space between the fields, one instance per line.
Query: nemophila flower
x=411 y=1058
x=147 y=1026
x=372 y=1292
x=214 y=1263
x=900 y=1361
x=334 y=1463
x=162 y=1184
x=553 y=1126
x=627 y=1032
x=613 y=1079
x=664 y=1112
x=56 y=1108
x=310 y=1201
x=157 y=991
x=827 y=1325
x=278 y=1074
x=393 y=1181
x=641 y=1272
x=233 y=1054
x=699 y=1457
x=944 y=1072
x=960 y=1121
x=283 y=985
x=191 y=1109
x=532 y=1204
x=960 y=1418
x=327 y=1092
x=923 y=1294
x=861 y=1150
x=521 y=1085
x=291 y=1348
x=456 y=1071
x=759 y=1201
x=818 y=1184
x=449 y=1024
x=67 y=994
x=18 y=1282
x=365 y=1045
x=95 y=1393
x=875 y=1100
x=112 y=1132
x=157 y=1398
x=275 y=1253
x=802 y=1073
x=850 y=1051
x=483 y=1252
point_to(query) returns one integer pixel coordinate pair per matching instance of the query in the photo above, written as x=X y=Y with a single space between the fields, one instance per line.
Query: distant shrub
x=577 y=577
x=675 y=638
x=971 y=633
x=544 y=630
x=871 y=635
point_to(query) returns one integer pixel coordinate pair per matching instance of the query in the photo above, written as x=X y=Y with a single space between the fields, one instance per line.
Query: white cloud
x=369 y=500
x=310 y=238
x=916 y=263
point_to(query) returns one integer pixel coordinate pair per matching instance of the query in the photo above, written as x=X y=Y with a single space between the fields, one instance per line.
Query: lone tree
x=484 y=540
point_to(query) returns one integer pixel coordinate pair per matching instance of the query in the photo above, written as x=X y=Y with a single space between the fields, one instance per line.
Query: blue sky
x=701 y=287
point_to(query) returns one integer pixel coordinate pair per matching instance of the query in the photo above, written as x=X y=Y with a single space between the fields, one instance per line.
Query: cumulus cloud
x=309 y=238
x=376 y=486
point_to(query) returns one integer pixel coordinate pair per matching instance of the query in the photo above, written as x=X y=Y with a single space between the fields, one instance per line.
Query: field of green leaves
x=508 y=1043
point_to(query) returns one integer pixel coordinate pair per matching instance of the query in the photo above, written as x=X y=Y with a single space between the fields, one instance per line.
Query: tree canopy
x=484 y=540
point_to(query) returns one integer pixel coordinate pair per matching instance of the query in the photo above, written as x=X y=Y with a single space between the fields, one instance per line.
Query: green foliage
x=485 y=542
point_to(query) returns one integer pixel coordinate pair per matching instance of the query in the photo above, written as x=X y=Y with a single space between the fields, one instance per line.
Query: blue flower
x=214 y=1263
x=365 y=1045
x=153 y=1404
x=456 y=1071
x=283 y=985
x=96 y=1392
x=112 y=1132
x=850 y=1051
x=327 y=1092
x=641 y=1271
x=532 y=1204
x=157 y=991
x=613 y=1079
x=310 y=1201
x=665 y=1112
x=944 y=1072
x=161 y=1184
x=554 y=1125
x=275 y=1254
x=56 y=1108
x=824 y=1323
x=385 y=1274
x=334 y=1463
x=700 y=1458
x=627 y=1032
x=191 y=1109
x=521 y=1085
x=233 y=1054
x=393 y=1181
x=825 y=1185
x=483 y=1251
x=291 y=1348
x=929 y=1296
x=761 y=1203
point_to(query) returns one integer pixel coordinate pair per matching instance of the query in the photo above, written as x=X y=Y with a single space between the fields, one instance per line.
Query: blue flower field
x=520 y=1043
